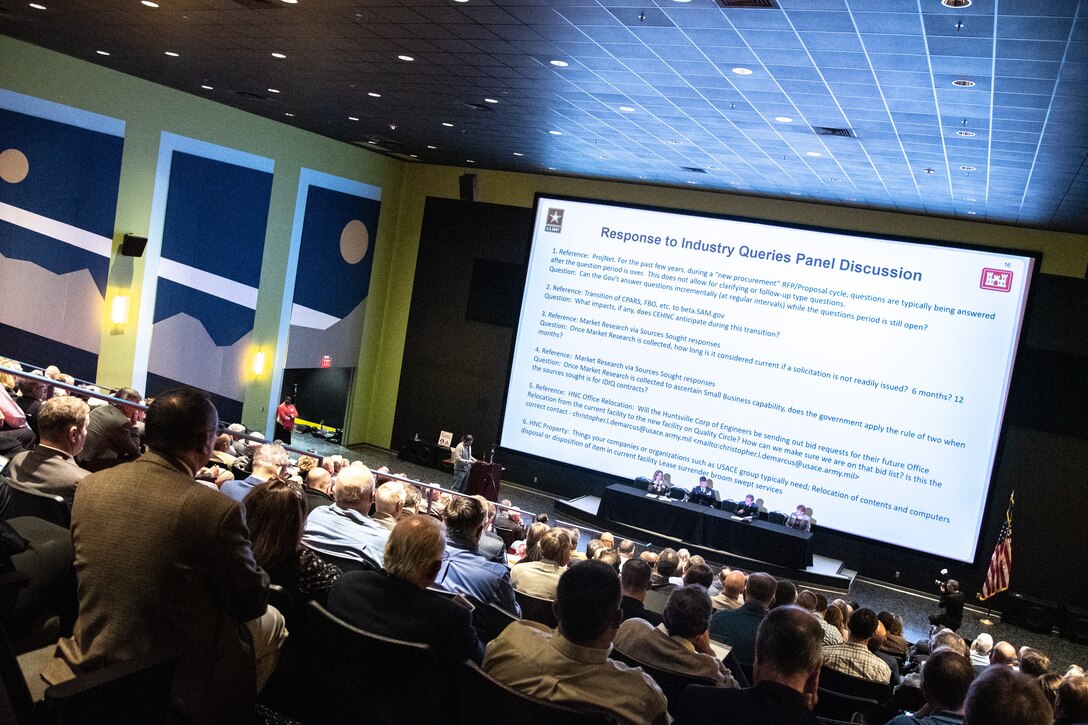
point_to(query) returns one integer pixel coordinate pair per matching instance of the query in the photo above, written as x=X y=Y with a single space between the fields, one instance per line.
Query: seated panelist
x=658 y=486
x=748 y=508
x=703 y=493
x=799 y=519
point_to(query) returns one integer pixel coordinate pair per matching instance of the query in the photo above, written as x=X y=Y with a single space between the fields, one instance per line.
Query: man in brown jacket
x=165 y=563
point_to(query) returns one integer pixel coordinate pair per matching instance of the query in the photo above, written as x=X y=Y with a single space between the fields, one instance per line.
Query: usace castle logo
x=554 y=222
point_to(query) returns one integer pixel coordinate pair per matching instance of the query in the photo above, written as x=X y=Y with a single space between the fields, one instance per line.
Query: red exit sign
x=326 y=362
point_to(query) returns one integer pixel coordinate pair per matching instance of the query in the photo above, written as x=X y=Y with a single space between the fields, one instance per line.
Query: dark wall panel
x=455 y=369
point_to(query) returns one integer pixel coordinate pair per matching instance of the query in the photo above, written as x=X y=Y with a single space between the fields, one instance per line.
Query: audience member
x=786 y=673
x=509 y=519
x=610 y=557
x=700 y=574
x=875 y=643
x=575 y=536
x=732 y=594
x=635 y=580
x=834 y=620
x=51 y=467
x=269 y=461
x=1049 y=684
x=221 y=453
x=1003 y=696
x=945 y=680
x=343 y=530
x=785 y=593
x=1033 y=662
x=275 y=516
x=396 y=603
x=1003 y=653
x=853 y=657
x=649 y=557
x=569 y=664
x=806 y=600
x=533 y=535
x=608 y=540
x=664 y=580
x=388 y=502
x=1071 y=704
x=413 y=497
x=173 y=573
x=491 y=544
x=626 y=550
x=318 y=482
x=112 y=436
x=895 y=644
x=541 y=578
x=738 y=627
x=463 y=569
x=683 y=556
x=681 y=643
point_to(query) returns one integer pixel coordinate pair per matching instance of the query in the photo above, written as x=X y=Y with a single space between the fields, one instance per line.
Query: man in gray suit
x=51 y=467
x=112 y=436
x=165 y=564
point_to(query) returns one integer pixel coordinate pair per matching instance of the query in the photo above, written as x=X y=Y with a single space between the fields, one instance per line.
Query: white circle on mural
x=354 y=241
x=13 y=166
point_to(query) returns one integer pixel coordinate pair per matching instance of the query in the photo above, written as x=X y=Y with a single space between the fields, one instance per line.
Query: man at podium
x=462 y=463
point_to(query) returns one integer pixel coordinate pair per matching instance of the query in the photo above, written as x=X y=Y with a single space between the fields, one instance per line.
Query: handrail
x=50 y=380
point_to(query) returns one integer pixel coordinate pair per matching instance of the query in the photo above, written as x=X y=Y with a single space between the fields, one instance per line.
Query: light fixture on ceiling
x=405 y=58
x=433 y=148
x=743 y=71
x=353 y=118
x=518 y=153
x=289 y=114
x=559 y=63
x=783 y=119
x=273 y=90
x=207 y=87
x=556 y=133
x=813 y=154
x=171 y=53
x=491 y=100
x=372 y=94
x=963 y=83
x=38 y=6
x=279 y=56
x=627 y=109
x=372 y=142
x=957 y=4
x=965 y=133
x=290 y=2
x=149 y=4
x=469 y=161
x=447 y=125
x=102 y=52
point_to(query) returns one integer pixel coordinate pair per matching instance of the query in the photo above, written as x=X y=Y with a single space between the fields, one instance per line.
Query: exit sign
x=326 y=362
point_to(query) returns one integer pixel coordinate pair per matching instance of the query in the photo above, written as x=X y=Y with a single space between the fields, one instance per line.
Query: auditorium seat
x=24 y=502
x=776 y=517
x=677 y=493
x=729 y=505
x=486 y=701
x=536 y=609
x=491 y=620
x=136 y=692
x=671 y=683
x=854 y=686
x=838 y=706
x=365 y=676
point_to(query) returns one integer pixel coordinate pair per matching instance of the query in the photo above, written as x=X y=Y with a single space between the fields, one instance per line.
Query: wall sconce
x=119 y=310
x=258 y=363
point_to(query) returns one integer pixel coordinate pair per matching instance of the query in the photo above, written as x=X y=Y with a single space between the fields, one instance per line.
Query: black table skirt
x=706 y=526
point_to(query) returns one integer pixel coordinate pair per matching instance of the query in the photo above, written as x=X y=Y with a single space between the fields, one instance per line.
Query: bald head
x=1003 y=653
x=355 y=488
x=733 y=584
x=389 y=498
x=319 y=479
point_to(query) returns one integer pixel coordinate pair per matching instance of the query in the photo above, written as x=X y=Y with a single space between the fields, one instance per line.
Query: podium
x=483 y=480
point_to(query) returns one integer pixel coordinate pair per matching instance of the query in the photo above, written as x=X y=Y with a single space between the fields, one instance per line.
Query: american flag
x=997 y=576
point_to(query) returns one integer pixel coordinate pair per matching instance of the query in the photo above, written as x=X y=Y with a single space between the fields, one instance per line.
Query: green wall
x=148 y=109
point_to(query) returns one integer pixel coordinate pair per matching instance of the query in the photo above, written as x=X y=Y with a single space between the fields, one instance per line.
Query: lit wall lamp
x=259 y=362
x=119 y=314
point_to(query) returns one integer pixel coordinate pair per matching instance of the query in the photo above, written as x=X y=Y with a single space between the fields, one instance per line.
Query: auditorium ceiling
x=974 y=112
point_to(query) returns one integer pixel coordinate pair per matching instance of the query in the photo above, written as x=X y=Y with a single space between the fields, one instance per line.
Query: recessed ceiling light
x=958 y=4
x=743 y=71
x=814 y=154
x=281 y=56
x=352 y=118
x=491 y=100
x=405 y=58
x=289 y=114
x=102 y=52
x=149 y=4
x=967 y=168
x=447 y=125
x=963 y=83
x=965 y=133
x=783 y=119
x=273 y=90
x=559 y=63
x=171 y=53
x=432 y=148
x=556 y=133
x=627 y=109
x=207 y=87
x=372 y=94
x=36 y=6
x=518 y=153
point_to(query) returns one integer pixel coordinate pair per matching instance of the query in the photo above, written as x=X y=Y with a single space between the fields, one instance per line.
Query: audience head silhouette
x=182 y=423
x=587 y=604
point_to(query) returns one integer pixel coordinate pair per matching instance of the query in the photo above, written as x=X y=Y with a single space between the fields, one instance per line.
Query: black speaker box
x=468 y=187
x=419 y=452
x=133 y=246
x=1075 y=625
x=1034 y=615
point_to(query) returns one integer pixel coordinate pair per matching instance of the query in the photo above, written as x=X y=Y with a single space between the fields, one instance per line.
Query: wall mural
x=213 y=234
x=59 y=173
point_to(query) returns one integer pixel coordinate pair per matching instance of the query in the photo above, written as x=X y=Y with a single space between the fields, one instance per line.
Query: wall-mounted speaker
x=468 y=187
x=1075 y=625
x=133 y=246
x=1034 y=615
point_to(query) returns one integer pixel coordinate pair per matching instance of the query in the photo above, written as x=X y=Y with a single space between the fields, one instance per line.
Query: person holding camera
x=952 y=603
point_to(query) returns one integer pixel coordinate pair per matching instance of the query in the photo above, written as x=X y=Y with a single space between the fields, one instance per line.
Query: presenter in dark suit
x=704 y=493
x=748 y=508
x=396 y=603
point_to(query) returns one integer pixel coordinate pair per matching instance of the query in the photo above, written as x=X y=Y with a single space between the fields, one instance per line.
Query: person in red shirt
x=285 y=420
